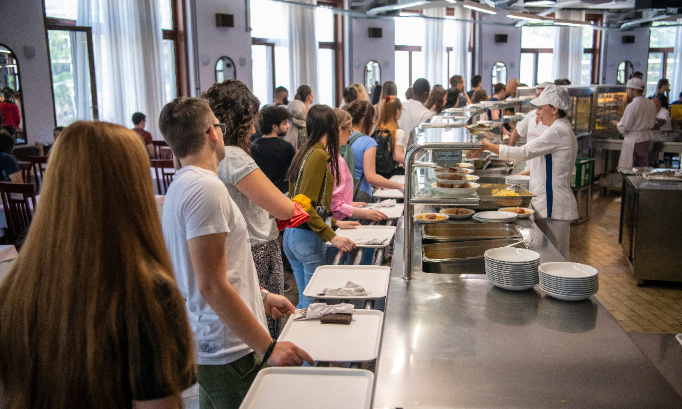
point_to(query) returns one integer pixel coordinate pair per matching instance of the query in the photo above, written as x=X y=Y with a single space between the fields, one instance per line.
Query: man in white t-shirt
x=414 y=111
x=208 y=243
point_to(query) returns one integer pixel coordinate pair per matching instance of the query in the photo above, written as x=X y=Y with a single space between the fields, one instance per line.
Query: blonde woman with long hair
x=362 y=92
x=391 y=109
x=90 y=314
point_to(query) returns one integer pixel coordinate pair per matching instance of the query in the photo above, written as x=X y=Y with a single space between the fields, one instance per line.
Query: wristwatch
x=263 y=293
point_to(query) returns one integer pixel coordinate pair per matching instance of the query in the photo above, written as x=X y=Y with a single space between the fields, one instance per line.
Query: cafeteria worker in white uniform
x=550 y=181
x=636 y=124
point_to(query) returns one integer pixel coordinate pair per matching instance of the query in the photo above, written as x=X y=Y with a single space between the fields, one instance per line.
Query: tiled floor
x=655 y=307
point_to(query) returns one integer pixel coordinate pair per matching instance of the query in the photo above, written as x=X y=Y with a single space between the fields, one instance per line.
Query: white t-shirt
x=665 y=115
x=237 y=165
x=529 y=127
x=401 y=138
x=638 y=120
x=197 y=204
x=414 y=113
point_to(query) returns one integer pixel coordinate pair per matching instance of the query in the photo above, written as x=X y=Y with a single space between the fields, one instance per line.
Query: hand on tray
x=288 y=354
x=277 y=306
x=347 y=224
x=343 y=243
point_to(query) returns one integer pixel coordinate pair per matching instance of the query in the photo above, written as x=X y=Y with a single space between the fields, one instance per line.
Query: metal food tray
x=464 y=257
x=459 y=231
x=489 y=202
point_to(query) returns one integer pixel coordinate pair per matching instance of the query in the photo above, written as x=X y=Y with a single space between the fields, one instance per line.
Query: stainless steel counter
x=456 y=341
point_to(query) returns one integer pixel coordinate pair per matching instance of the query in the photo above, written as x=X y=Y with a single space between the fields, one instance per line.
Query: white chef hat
x=555 y=96
x=636 y=83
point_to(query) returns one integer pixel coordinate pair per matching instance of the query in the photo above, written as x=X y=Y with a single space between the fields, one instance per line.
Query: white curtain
x=568 y=47
x=460 y=43
x=676 y=79
x=127 y=40
x=434 y=48
x=81 y=75
x=302 y=47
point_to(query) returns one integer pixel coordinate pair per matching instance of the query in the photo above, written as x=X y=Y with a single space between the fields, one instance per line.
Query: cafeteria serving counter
x=456 y=341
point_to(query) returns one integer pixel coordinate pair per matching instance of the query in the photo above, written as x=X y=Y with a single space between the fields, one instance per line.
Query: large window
x=409 y=61
x=537 y=44
x=324 y=31
x=661 y=62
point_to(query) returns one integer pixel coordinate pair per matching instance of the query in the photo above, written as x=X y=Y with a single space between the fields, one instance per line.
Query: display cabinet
x=581 y=109
x=609 y=104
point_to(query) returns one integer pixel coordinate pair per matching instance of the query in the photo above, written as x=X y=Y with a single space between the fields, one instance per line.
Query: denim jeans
x=305 y=251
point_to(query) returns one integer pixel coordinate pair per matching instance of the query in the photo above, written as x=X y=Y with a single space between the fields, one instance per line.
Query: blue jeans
x=305 y=251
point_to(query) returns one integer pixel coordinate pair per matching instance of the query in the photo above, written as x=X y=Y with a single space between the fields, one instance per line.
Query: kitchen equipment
x=458 y=231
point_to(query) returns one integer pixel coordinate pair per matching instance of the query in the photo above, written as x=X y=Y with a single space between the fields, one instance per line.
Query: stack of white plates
x=495 y=217
x=521 y=180
x=512 y=268
x=569 y=281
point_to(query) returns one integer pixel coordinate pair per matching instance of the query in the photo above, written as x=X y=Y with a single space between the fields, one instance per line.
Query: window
x=586 y=63
x=409 y=61
x=661 y=62
x=324 y=31
x=537 y=44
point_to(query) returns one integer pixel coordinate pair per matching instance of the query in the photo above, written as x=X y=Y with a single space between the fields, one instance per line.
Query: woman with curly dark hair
x=255 y=195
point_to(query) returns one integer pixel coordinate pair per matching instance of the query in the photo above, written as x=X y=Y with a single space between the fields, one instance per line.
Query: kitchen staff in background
x=530 y=126
x=556 y=150
x=635 y=126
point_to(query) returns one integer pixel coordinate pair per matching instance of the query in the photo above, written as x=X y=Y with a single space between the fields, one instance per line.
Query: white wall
x=491 y=52
x=21 y=25
x=615 y=52
x=214 y=42
x=363 y=48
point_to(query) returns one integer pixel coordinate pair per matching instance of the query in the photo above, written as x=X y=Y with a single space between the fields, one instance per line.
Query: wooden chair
x=164 y=171
x=157 y=147
x=19 y=201
x=164 y=152
x=25 y=168
x=39 y=164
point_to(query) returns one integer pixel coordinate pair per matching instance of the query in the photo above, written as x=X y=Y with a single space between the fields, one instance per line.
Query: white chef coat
x=665 y=114
x=556 y=150
x=529 y=127
x=414 y=113
x=636 y=124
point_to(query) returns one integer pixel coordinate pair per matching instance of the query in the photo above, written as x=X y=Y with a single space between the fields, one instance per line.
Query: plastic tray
x=310 y=388
x=373 y=278
x=365 y=233
x=356 y=342
x=392 y=212
x=398 y=178
x=389 y=194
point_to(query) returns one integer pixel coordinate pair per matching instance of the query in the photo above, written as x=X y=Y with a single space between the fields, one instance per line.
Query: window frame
x=54 y=24
x=410 y=49
x=179 y=37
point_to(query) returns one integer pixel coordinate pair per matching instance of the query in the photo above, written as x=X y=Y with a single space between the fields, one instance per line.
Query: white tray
x=373 y=278
x=392 y=212
x=365 y=233
x=356 y=342
x=398 y=178
x=310 y=388
x=389 y=194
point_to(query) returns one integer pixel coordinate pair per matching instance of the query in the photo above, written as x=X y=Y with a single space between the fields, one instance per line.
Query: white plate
x=464 y=165
x=373 y=278
x=568 y=270
x=418 y=220
x=458 y=216
x=446 y=178
x=366 y=233
x=455 y=191
x=512 y=254
x=420 y=164
x=356 y=342
x=455 y=170
x=388 y=194
x=492 y=215
x=514 y=287
x=566 y=297
x=528 y=210
x=310 y=388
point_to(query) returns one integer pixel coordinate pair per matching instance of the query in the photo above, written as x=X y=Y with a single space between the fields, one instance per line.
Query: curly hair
x=233 y=104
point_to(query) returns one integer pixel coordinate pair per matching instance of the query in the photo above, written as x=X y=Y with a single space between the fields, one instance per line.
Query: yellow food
x=506 y=192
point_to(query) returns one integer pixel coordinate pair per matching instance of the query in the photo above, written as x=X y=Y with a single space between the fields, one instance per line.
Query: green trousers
x=225 y=386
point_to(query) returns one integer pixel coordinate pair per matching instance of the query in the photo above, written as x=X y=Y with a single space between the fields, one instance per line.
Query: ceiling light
x=572 y=23
x=479 y=7
x=525 y=16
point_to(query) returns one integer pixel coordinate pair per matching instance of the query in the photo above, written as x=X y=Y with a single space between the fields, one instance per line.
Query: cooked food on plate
x=457 y=210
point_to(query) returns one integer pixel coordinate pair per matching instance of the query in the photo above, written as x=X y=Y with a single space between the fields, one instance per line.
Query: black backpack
x=385 y=165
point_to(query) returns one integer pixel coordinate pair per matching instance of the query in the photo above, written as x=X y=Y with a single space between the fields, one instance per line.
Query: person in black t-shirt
x=272 y=153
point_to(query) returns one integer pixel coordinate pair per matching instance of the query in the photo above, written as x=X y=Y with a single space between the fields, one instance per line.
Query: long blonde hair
x=92 y=279
x=388 y=116
x=362 y=92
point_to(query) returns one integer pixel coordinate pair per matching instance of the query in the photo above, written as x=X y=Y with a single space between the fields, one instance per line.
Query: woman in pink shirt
x=342 y=197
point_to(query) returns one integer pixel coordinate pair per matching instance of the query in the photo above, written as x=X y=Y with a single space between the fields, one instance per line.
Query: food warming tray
x=463 y=257
x=458 y=231
x=373 y=278
x=310 y=388
x=356 y=342
x=489 y=202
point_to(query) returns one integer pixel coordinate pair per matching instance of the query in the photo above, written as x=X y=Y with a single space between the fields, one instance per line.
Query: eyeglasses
x=223 y=127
